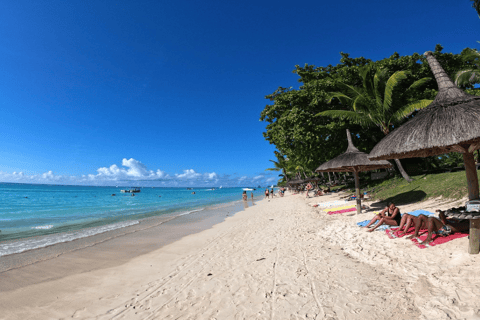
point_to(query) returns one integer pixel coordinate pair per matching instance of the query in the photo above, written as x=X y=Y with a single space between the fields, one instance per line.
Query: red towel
x=437 y=239
x=342 y=211
x=393 y=233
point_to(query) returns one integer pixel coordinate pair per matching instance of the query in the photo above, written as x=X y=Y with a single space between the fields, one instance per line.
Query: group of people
x=319 y=192
x=245 y=197
x=441 y=225
x=271 y=193
x=268 y=193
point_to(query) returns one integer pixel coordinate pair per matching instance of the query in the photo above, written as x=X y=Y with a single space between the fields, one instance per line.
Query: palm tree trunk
x=402 y=171
x=285 y=174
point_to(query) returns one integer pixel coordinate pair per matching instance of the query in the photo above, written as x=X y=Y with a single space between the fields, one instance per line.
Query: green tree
x=280 y=165
x=470 y=76
x=308 y=141
x=476 y=5
x=378 y=102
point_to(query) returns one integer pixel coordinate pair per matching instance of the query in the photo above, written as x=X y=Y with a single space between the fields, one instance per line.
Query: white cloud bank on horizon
x=132 y=170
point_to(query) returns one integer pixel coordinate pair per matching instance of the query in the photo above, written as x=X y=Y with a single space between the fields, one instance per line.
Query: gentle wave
x=43 y=227
x=30 y=244
x=188 y=212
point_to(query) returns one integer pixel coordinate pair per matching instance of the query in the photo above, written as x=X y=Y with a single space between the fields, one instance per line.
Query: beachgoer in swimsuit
x=390 y=216
x=441 y=226
x=309 y=187
x=266 y=193
x=408 y=221
x=244 y=196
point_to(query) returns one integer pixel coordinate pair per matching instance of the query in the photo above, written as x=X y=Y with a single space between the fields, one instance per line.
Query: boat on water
x=249 y=189
x=134 y=190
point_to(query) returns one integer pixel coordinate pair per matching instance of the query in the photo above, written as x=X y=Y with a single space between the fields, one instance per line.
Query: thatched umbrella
x=451 y=123
x=354 y=161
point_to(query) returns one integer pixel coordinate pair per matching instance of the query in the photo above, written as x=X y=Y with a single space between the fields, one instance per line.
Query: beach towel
x=437 y=239
x=342 y=211
x=419 y=212
x=340 y=208
x=393 y=233
x=381 y=228
x=331 y=203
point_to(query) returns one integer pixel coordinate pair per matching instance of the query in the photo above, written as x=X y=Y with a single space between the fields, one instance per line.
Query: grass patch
x=450 y=185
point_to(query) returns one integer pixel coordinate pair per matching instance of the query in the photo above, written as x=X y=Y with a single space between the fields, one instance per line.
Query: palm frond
x=379 y=85
x=352 y=91
x=355 y=117
x=419 y=83
x=408 y=109
x=365 y=72
x=344 y=99
x=392 y=82
x=467 y=77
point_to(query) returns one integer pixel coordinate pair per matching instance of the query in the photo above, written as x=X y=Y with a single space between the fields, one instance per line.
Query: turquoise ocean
x=35 y=216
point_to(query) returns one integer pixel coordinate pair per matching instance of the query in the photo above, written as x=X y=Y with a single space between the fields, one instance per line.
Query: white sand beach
x=280 y=259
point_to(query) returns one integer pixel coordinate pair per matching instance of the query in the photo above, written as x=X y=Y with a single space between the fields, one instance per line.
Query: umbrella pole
x=472 y=182
x=357 y=192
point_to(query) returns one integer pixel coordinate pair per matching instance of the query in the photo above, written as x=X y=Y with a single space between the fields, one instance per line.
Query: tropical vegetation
x=368 y=97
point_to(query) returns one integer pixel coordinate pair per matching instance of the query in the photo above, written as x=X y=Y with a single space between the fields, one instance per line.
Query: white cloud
x=133 y=170
x=188 y=174
x=211 y=176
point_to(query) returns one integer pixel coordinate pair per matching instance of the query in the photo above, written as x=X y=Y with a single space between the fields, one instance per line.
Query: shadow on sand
x=401 y=199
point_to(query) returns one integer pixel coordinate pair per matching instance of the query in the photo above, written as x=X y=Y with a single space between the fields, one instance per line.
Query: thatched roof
x=352 y=160
x=314 y=179
x=296 y=181
x=451 y=123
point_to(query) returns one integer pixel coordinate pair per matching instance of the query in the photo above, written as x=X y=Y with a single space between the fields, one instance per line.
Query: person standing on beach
x=309 y=187
x=252 y=195
x=273 y=194
x=244 y=196
x=266 y=193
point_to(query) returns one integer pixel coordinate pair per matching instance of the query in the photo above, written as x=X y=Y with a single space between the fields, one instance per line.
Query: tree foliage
x=476 y=5
x=307 y=140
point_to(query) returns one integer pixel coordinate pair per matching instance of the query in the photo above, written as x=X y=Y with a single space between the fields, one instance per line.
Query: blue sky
x=97 y=92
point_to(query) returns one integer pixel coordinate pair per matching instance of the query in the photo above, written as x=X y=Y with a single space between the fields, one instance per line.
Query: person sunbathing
x=441 y=226
x=408 y=221
x=390 y=216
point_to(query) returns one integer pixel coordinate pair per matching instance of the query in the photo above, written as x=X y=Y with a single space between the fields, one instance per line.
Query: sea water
x=37 y=216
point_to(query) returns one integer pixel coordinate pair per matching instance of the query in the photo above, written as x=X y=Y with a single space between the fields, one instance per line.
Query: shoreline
x=280 y=259
x=169 y=228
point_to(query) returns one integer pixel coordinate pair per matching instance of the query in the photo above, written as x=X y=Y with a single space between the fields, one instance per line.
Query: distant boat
x=134 y=190
x=189 y=188
x=248 y=189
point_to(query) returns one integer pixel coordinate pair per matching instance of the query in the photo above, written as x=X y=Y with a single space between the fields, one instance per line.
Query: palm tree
x=280 y=165
x=375 y=104
x=471 y=75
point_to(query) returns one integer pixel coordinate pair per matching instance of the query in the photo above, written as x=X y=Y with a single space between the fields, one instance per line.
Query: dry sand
x=281 y=259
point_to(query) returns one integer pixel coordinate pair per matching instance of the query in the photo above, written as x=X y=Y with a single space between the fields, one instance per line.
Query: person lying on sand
x=442 y=226
x=390 y=216
x=408 y=221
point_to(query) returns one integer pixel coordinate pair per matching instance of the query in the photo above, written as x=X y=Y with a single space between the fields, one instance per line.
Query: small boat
x=134 y=190
x=248 y=189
